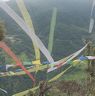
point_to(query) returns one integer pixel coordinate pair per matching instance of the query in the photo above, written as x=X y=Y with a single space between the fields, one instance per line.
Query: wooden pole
x=43 y=88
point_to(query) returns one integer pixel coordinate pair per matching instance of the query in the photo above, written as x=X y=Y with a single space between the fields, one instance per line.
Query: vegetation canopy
x=2 y=31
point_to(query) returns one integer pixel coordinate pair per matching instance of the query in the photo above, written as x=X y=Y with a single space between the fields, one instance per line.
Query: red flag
x=13 y=56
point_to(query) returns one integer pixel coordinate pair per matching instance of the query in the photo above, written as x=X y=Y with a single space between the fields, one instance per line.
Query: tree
x=2 y=31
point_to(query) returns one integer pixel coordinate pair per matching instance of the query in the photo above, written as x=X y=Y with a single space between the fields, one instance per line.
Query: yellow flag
x=28 y=21
x=37 y=65
x=76 y=62
x=59 y=75
x=37 y=62
x=11 y=73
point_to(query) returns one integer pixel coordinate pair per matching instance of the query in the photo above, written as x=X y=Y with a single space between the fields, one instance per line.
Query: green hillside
x=70 y=32
x=72 y=26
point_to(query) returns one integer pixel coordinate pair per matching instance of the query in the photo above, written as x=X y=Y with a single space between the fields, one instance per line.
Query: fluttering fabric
x=29 y=23
x=91 y=25
x=26 y=28
x=58 y=64
x=52 y=29
x=90 y=57
x=3 y=90
x=13 y=56
x=37 y=64
x=59 y=75
x=86 y=58
x=63 y=63
x=82 y=58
